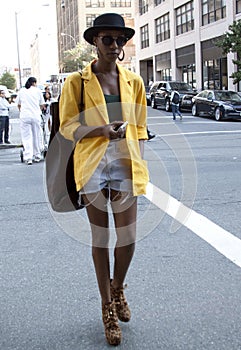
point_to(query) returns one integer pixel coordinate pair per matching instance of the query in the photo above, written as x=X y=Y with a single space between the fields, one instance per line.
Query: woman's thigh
x=97 y=211
x=124 y=209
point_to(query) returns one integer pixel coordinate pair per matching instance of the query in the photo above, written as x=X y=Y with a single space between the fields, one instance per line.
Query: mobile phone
x=123 y=126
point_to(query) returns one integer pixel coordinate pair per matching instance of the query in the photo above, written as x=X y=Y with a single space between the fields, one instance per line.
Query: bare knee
x=126 y=236
x=100 y=236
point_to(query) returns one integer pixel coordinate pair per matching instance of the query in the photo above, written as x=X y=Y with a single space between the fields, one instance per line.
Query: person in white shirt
x=4 y=118
x=30 y=102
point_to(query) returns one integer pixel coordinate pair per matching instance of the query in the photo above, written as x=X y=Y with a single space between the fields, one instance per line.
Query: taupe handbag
x=61 y=187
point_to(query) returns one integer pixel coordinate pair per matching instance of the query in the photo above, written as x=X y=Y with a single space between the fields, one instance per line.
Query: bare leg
x=125 y=223
x=98 y=217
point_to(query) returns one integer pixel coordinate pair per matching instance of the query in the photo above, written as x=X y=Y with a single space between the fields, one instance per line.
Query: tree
x=77 y=58
x=8 y=80
x=231 y=42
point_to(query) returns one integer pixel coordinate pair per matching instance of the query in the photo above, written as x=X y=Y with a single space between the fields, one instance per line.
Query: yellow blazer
x=89 y=151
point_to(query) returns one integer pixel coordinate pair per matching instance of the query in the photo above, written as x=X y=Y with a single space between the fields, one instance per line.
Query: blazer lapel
x=126 y=94
x=96 y=99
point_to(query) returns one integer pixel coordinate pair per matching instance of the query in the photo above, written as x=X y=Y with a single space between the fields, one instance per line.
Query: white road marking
x=223 y=241
x=202 y=132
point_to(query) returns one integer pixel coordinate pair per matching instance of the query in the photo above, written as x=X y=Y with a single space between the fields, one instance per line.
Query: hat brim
x=93 y=31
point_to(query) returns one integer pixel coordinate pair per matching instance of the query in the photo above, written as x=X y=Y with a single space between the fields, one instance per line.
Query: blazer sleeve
x=141 y=110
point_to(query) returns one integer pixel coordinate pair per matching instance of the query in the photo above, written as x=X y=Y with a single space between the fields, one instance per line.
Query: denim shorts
x=113 y=171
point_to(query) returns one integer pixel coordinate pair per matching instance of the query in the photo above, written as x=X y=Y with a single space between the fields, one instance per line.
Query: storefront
x=185 y=58
x=146 y=71
x=163 y=66
x=214 y=66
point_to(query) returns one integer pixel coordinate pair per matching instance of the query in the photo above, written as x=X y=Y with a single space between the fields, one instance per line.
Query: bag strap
x=82 y=93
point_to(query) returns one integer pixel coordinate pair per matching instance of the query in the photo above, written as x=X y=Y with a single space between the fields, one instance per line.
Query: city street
x=185 y=280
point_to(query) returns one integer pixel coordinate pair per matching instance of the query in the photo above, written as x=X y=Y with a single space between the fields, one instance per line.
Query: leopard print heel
x=110 y=320
x=122 y=308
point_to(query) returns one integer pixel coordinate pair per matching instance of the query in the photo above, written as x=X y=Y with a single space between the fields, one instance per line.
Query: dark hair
x=30 y=82
x=44 y=95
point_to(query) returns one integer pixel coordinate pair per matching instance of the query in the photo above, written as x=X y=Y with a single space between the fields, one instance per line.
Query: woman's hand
x=111 y=131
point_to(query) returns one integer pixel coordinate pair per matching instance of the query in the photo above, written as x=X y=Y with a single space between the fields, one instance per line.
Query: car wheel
x=194 y=110
x=167 y=105
x=153 y=103
x=218 y=114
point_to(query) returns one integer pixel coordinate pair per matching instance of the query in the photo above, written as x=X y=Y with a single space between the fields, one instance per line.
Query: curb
x=10 y=146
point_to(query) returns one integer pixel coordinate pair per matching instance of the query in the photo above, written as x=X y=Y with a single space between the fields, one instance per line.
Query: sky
x=31 y=15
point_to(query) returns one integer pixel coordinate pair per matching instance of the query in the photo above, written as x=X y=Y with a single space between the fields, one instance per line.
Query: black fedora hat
x=108 y=21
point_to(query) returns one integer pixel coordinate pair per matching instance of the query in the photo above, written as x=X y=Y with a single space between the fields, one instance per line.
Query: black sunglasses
x=107 y=40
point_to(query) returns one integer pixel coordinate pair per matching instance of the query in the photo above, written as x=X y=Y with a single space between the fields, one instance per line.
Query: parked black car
x=160 y=93
x=219 y=104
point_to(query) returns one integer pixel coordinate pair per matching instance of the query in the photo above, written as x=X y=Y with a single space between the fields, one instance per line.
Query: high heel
x=110 y=320
x=122 y=308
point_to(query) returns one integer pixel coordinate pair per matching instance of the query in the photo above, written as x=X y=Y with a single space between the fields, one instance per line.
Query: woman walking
x=30 y=102
x=108 y=158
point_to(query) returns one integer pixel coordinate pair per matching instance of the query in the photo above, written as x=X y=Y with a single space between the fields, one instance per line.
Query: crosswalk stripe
x=223 y=241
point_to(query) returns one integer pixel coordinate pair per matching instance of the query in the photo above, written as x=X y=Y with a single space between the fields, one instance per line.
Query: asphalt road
x=184 y=294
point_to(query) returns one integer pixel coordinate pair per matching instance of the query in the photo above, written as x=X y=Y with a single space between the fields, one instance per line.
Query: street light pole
x=19 y=66
x=70 y=36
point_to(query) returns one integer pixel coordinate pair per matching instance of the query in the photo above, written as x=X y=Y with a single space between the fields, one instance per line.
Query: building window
x=189 y=74
x=184 y=18
x=215 y=74
x=158 y=2
x=213 y=10
x=238 y=6
x=143 y=6
x=144 y=36
x=90 y=20
x=163 y=66
x=94 y=3
x=120 y=3
x=162 y=25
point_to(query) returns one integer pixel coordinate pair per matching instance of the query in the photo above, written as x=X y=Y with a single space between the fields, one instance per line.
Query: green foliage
x=8 y=80
x=77 y=58
x=231 y=42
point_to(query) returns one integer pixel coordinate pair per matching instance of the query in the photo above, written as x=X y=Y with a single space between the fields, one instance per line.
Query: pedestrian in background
x=46 y=110
x=30 y=102
x=4 y=118
x=108 y=160
x=175 y=101
x=46 y=89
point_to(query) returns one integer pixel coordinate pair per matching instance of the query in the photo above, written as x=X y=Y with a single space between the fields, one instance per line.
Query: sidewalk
x=14 y=134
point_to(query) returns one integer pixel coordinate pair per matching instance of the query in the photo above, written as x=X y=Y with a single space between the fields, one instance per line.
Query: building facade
x=74 y=16
x=176 y=40
x=43 y=47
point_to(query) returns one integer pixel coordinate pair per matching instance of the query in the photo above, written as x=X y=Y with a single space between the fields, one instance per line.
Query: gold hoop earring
x=123 y=55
